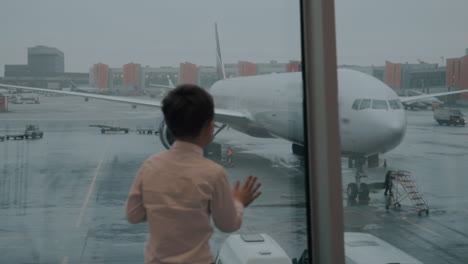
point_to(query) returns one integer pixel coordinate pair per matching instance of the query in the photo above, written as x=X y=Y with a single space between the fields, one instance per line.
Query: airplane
x=161 y=90
x=371 y=115
x=422 y=104
x=76 y=88
x=169 y=86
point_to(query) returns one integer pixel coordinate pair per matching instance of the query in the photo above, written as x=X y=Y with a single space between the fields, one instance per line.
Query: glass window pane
x=379 y=104
x=365 y=103
x=394 y=104
x=403 y=172
x=75 y=138
x=356 y=104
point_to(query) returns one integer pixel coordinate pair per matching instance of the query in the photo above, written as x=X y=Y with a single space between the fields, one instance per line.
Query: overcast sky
x=165 y=33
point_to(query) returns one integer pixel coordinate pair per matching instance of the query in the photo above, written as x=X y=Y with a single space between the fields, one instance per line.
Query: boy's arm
x=227 y=211
x=135 y=210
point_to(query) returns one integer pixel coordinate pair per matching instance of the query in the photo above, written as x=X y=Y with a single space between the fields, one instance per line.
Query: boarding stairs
x=404 y=186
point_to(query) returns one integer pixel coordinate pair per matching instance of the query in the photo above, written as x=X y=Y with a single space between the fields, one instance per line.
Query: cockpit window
x=379 y=104
x=395 y=104
x=356 y=104
x=365 y=103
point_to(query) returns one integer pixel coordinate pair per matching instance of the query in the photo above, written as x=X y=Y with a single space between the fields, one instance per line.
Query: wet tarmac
x=62 y=197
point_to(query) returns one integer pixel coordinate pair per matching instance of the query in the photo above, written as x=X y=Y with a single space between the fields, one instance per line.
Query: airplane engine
x=165 y=135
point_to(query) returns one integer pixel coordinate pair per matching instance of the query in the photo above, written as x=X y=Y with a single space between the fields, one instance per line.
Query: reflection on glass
x=68 y=162
x=418 y=157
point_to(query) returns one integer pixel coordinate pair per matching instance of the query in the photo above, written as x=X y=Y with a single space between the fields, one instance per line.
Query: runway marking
x=422 y=227
x=16 y=237
x=91 y=187
x=128 y=244
x=10 y=247
x=64 y=260
x=141 y=234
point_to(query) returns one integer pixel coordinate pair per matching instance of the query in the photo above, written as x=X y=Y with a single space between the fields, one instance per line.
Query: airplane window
x=379 y=104
x=67 y=163
x=395 y=104
x=365 y=103
x=405 y=182
x=356 y=104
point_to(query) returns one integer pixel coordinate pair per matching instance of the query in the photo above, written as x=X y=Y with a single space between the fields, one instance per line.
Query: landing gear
x=213 y=150
x=357 y=189
x=352 y=191
x=364 y=192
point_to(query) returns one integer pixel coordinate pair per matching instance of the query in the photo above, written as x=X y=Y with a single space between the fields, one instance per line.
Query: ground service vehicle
x=364 y=248
x=16 y=99
x=252 y=249
x=31 y=99
x=111 y=129
x=33 y=131
x=449 y=117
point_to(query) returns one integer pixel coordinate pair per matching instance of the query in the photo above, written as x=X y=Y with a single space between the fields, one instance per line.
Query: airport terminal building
x=45 y=69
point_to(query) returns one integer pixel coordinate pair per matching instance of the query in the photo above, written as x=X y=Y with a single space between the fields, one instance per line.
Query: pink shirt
x=176 y=192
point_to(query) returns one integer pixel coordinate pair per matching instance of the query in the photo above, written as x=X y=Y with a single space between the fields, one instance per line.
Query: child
x=177 y=191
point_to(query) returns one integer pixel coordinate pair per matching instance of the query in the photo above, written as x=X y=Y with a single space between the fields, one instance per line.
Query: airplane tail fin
x=170 y=82
x=72 y=85
x=220 y=73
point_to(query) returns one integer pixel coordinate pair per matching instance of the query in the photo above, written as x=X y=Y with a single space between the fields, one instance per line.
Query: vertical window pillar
x=322 y=135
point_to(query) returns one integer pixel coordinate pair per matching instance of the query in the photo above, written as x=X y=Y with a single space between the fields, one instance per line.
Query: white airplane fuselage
x=275 y=103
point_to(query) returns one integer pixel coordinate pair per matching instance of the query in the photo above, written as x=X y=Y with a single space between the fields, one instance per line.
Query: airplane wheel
x=351 y=191
x=364 y=192
x=103 y=131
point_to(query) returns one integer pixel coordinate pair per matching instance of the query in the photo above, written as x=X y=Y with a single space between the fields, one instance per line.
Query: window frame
x=322 y=136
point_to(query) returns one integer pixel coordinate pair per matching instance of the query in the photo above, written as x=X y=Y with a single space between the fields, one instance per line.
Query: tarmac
x=62 y=197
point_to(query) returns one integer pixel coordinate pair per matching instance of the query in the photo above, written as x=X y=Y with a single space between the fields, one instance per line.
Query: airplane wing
x=225 y=116
x=161 y=86
x=170 y=86
x=118 y=99
x=409 y=99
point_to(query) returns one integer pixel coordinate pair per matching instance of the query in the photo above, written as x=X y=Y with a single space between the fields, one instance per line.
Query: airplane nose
x=396 y=128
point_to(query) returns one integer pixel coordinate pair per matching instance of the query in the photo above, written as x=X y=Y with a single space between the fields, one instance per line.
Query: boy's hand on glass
x=248 y=192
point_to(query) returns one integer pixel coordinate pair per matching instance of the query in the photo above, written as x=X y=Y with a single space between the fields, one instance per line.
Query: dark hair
x=186 y=109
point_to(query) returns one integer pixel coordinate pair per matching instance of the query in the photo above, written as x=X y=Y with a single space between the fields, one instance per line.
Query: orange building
x=187 y=73
x=131 y=73
x=293 y=66
x=457 y=74
x=101 y=75
x=3 y=103
x=246 y=68
x=393 y=74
